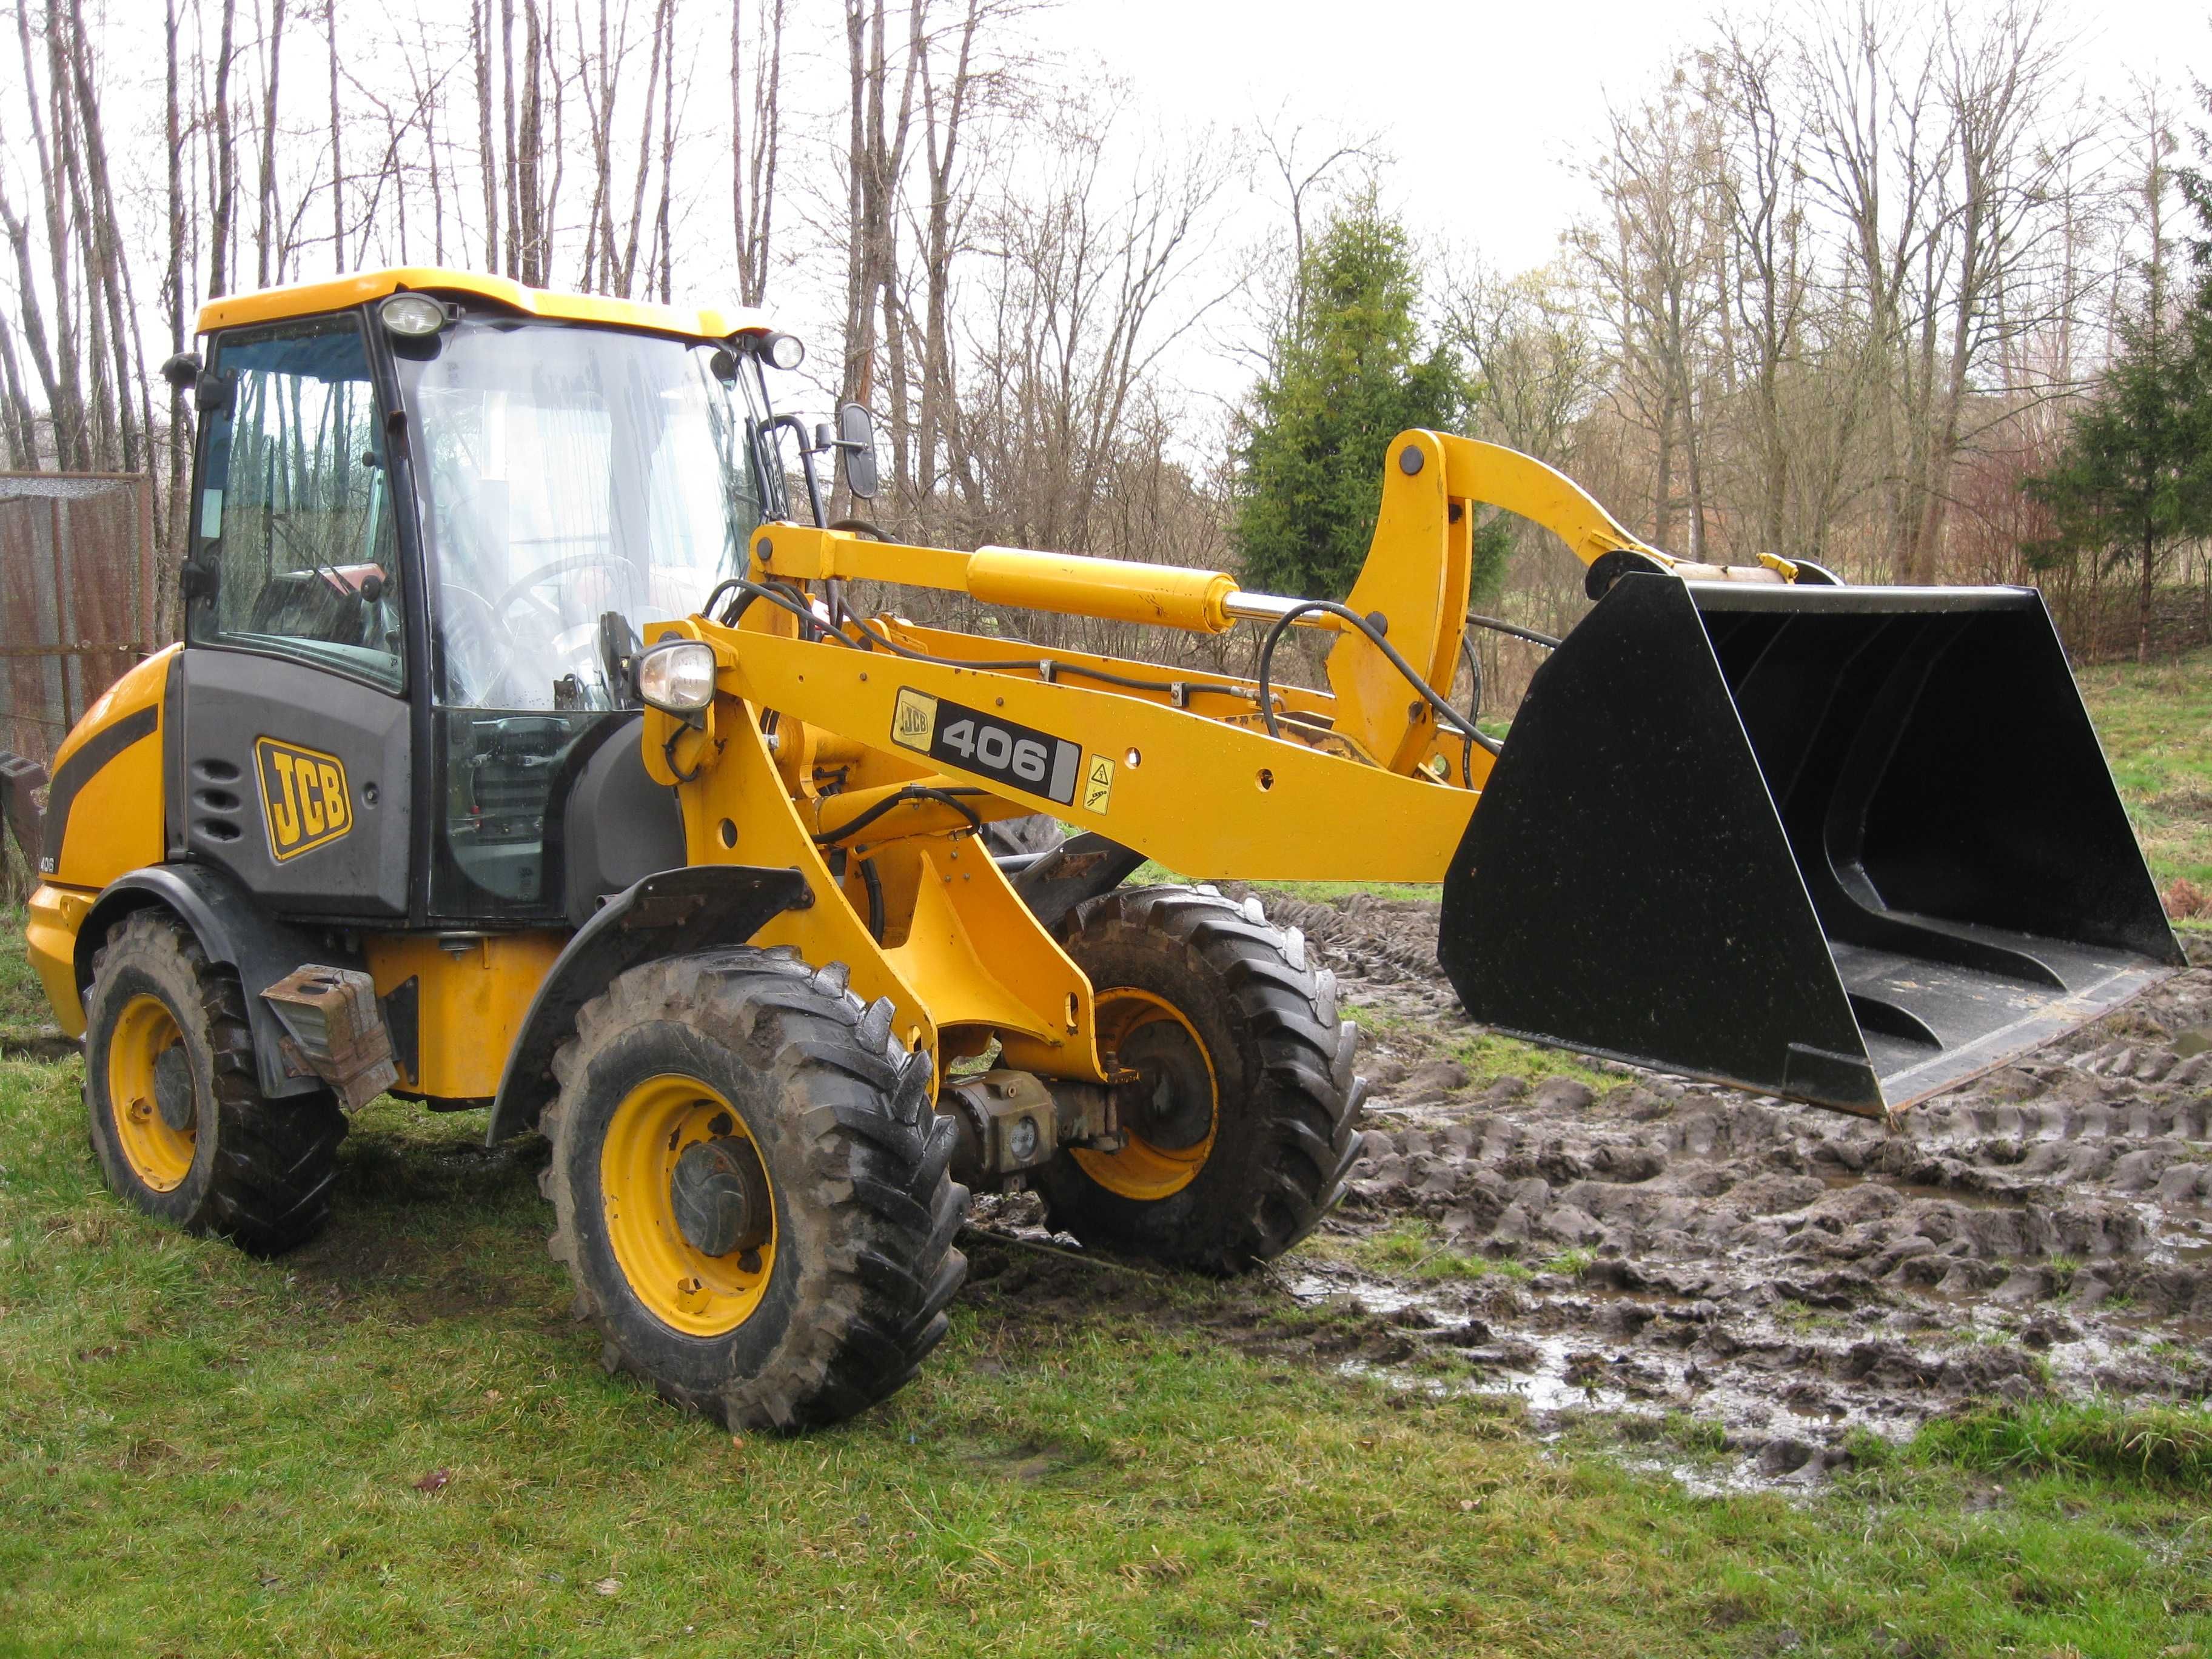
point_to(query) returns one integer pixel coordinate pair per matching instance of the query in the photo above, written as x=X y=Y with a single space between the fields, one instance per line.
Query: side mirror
x=856 y=442
x=211 y=392
x=182 y=370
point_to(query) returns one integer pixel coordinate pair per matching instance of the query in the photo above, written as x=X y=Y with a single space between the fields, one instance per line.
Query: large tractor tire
x=1245 y=1129
x=179 y=1121
x=750 y=1189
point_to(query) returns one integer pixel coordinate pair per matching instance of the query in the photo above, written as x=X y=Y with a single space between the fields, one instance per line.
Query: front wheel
x=750 y=1189
x=1240 y=1130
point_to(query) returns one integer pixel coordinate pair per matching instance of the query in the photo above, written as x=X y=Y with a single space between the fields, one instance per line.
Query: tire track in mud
x=1662 y=1245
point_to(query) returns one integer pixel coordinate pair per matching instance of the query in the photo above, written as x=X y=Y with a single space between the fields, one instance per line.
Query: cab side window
x=293 y=546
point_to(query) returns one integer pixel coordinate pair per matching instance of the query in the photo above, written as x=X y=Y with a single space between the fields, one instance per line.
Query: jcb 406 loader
x=526 y=749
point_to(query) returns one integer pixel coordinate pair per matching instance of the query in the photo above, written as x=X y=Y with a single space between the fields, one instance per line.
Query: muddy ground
x=1657 y=1246
x=1769 y=1276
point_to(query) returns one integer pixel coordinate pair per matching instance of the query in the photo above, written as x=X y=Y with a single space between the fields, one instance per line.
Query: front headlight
x=676 y=678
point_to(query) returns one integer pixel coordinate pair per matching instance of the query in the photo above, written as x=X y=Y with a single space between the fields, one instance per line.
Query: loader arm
x=1750 y=825
x=1415 y=583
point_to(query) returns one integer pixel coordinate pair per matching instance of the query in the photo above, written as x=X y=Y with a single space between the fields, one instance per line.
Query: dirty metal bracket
x=333 y=1030
x=19 y=781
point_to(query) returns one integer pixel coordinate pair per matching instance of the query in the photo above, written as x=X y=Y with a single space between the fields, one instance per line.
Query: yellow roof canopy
x=340 y=293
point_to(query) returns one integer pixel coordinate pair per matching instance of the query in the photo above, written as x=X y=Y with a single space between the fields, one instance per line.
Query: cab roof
x=341 y=293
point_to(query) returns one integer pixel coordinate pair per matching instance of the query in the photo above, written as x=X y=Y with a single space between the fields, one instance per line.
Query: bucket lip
x=1789 y=597
x=2129 y=976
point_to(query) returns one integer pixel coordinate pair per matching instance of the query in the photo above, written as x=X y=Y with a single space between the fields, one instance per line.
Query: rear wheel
x=177 y=1118
x=751 y=1190
x=1240 y=1131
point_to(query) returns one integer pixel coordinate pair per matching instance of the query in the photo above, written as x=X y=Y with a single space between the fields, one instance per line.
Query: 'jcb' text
x=303 y=796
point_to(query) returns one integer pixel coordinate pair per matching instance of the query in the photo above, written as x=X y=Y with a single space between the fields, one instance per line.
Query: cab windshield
x=562 y=473
x=565 y=472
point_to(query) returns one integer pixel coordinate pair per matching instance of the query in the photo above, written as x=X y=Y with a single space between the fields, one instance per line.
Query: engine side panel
x=104 y=805
x=468 y=997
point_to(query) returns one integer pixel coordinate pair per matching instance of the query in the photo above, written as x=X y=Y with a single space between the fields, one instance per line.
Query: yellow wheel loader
x=526 y=750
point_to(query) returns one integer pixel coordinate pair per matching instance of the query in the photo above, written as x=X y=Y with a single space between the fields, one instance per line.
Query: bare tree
x=879 y=126
x=1654 y=255
x=1306 y=176
x=225 y=160
x=486 y=157
x=753 y=166
x=337 y=152
x=266 y=194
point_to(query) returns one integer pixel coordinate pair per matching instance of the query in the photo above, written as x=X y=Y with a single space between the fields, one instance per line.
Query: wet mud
x=1622 y=1242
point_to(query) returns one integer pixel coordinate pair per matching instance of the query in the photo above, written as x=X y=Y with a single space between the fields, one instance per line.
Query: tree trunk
x=486 y=158
x=529 y=145
x=109 y=266
x=64 y=398
x=265 y=226
x=225 y=165
x=2143 y=597
x=338 y=154
x=513 y=184
x=21 y=424
x=179 y=512
x=753 y=172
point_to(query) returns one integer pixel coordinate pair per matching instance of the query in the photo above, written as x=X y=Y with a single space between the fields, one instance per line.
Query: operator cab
x=433 y=513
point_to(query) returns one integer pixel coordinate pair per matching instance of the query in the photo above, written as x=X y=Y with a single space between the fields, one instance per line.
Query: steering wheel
x=520 y=588
x=539 y=635
x=485 y=644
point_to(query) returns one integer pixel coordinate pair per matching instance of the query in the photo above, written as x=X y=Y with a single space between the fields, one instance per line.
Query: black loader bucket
x=1847 y=845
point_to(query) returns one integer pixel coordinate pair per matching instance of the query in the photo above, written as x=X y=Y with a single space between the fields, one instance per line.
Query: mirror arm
x=806 y=460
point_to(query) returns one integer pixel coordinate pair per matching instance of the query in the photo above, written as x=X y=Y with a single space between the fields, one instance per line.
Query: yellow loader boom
x=1712 y=790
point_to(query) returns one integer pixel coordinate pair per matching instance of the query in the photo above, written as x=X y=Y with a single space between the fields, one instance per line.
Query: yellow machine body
x=527 y=751
x=832 y=746
x=103 y=820
x=472 y=994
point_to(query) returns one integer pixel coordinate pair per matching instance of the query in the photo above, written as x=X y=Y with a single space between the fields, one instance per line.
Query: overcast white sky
x=1482 y=105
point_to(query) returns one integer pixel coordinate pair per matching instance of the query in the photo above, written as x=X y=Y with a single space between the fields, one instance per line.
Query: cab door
x=289 y=730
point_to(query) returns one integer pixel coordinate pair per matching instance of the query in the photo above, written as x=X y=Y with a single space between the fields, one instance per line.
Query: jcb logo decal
x=914 y=722
x=303 y=796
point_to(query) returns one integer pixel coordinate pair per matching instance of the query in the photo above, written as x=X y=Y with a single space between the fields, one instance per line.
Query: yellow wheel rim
x=680 y=1283
x=1129 y=1020
x=159 y=1154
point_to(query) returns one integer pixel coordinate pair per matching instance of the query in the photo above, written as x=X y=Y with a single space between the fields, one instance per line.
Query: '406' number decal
x=1032 y=761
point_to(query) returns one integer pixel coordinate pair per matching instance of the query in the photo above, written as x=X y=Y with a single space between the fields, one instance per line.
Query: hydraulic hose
x=1470 y=733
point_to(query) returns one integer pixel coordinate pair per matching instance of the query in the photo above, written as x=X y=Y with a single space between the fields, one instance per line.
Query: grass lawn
x=396 y=1441
x=2155 y=722
x=23 y=1010
x=202 y=1454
